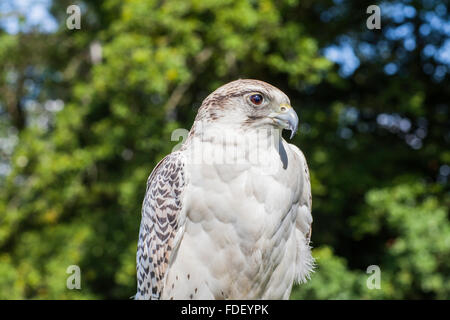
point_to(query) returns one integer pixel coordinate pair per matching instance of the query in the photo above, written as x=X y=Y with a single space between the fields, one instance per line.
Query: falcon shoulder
x=162 y=225
x=305 y=261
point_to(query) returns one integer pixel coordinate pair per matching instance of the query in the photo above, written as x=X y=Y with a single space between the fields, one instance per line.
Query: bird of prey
x=228 y=214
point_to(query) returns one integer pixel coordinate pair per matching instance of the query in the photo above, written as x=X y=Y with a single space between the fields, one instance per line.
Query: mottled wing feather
x=161 y=225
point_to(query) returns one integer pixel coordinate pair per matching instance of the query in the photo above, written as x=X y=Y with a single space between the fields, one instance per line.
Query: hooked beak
x=286 y=118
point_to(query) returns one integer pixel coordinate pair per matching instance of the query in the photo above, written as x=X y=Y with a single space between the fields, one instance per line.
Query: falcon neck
x=233 y=146
x=220 y=134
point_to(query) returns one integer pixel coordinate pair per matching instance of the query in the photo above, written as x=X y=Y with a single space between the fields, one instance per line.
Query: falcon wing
x=162 y=225
x=305 y=262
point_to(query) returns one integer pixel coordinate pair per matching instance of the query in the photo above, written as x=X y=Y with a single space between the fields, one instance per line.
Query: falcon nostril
x=283 y=109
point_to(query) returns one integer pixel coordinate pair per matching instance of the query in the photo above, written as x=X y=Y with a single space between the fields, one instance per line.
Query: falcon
x=228 y=214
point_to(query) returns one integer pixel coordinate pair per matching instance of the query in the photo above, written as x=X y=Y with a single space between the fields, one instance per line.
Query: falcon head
x=248 y=103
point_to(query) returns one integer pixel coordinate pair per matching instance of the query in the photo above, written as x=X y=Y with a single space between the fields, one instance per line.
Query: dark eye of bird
x=256 y=99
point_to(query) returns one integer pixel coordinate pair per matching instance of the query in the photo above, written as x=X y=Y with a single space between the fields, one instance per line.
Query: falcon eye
x=256 y=99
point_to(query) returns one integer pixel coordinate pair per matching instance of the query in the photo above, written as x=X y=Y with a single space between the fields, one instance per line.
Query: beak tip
x=288 y=120
x=293 y=132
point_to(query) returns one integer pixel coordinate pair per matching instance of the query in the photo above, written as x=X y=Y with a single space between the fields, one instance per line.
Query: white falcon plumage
x=228 y=215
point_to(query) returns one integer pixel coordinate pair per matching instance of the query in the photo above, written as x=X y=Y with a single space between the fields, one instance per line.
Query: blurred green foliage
x=80 y=136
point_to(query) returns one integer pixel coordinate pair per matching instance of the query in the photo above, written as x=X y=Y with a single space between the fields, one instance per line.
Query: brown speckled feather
x=158 y=239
